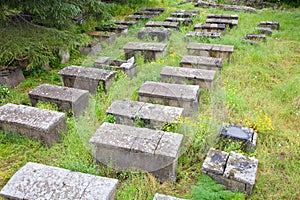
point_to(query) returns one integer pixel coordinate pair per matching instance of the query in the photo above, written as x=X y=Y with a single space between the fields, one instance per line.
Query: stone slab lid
x=215 y=161
x=170 y=91
x=239 y=132
x=241 y=168
x=154 y=30
x=89 y=73
x=206 y=26
x=37 y=181
x=29 y=116
x=224 y=16
x=212 y=47
x=192 y=73
x=58 y=92
x=142 y=140
x=162 y=24
x=202 y=60
x=142 y=46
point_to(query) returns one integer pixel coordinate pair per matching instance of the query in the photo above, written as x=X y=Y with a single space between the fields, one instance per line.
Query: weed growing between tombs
x=260 y=88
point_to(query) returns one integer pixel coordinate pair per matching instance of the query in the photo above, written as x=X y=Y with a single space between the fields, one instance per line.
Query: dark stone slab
x=150 y=51
x=171 y=25
x=184 y=96
x=139 y=17
x=201 y=62
x=154 y=33
x=11 y=76
x=215 y=28
x=147 y=12
x=87 y=78
x=154 y=116
x=256 y=37
x=126 y=23
x=269 y=24
x=262 y=30
x=35 y=123
x=127 y=148
x=154 y=9
x=183 y=21
x=181 y=75
x=37 y=181
x=66 y=99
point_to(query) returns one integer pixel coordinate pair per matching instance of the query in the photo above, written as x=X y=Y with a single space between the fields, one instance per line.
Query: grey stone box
x=240 y=134
x=236 y=171
x=262 y=30
x=211 y=50
x=118 y=29
x=107 y=37
x=165 y=197
x=128 y=148
x=154 y=9
x=147 y=12
x=181 y=20
x=87 y=78
x=211 y=35
x=126 y=23
x=150 y=51
x=65 y=98
x=182 y=14
x=37 y=181
x=193 y=12
x=256 y=37
x=139 y=17
x=214 y=28
x=201 y=62
x=11 y=76
x=91 y=49
x=269 y=24
x=180 y=75
x=153 y=33
x=170 y=25
x=184 y=96
x=154 y=116
x=228 y=22
x=35 y=123
x=129 y=67
x=222 y=16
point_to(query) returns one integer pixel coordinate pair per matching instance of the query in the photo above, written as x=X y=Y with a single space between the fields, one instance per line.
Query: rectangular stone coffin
x=211 y=35
x=35 y=123
x=263 y=30
x=154 y=116
x=184 y=96
x=171 y=25
x=222 y=16
x=154 y=34
x=180 y=75
x=201 y=62
x=87 y=78
x=139 y=17
x=183 y=21
x=181 y=14
x=165 y=197
x=118 y=29
x=37 y=181
x=11 y=76
x=150 y=51
x=214 y=28
x=256 y=37
x=66 y=99
x=129 y=67
x=147 y=12
x=268 y=24
x=211 y=50
x=154 y=9
x=228 y=22
x=127 y=148
x=126 y=23
x=236 y=171
x=107 y=37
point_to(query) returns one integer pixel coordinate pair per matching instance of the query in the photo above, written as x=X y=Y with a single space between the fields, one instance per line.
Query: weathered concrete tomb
x=240 y=134
x=35 y=123
x=222 y=16
x=154 y=33
x=203 y=34
x=269 y=24
x=180 y=75
x=66 y=99
x=256 y=37
x=181 y=20
x=228 y=22
x=118 y=29
x=87 y=78
x=171 y=25
x=185 y=13
x=147 y=12
x=37 y=181
x=211 y=28
x=212 y=50
x=128 y=148
x=153 y=116
x=92 y=49
x=126 y=23
x=154 y=9
x=129 y=67
x=201 y=62
x=150 y=51
x=139 y=17
x=262 y=30
x=178 y=95
x=11 y=76
x=107 y=37
x=236 y=171
x=165 y=197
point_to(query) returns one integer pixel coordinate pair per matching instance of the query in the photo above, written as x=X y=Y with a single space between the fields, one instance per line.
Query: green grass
x=259 y=89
